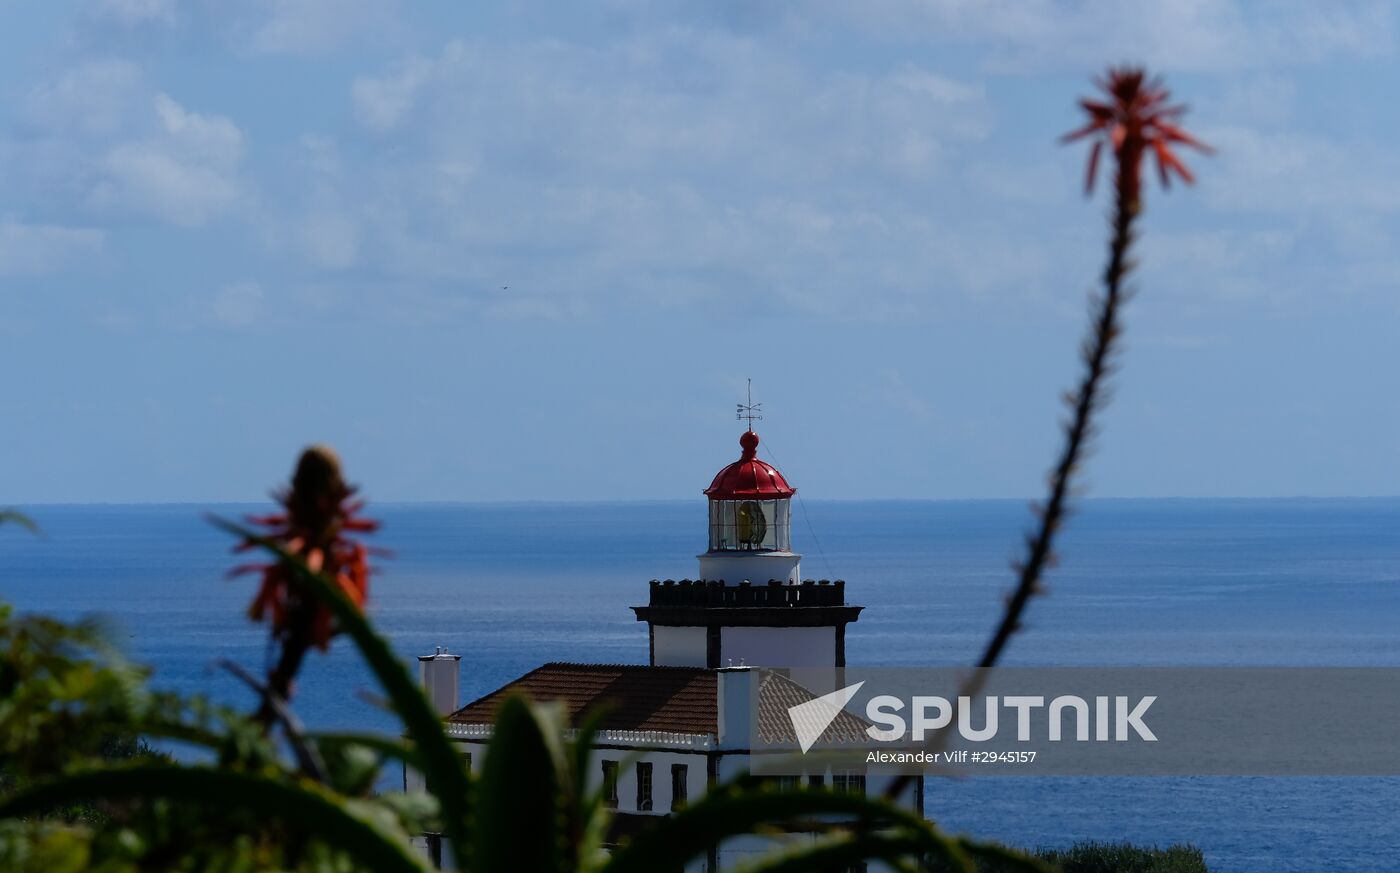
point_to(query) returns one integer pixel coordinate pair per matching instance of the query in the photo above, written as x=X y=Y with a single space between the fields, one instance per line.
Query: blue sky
x=532 y=250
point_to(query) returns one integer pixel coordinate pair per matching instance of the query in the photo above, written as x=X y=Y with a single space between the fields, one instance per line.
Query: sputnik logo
x=811 y=719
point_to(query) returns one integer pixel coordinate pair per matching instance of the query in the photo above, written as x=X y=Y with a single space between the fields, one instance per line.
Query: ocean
x=509 y=586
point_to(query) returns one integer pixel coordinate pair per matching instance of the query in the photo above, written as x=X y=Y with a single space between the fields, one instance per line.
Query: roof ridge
x=568 y=664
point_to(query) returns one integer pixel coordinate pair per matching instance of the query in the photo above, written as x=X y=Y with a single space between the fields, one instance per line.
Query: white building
x=685 y=721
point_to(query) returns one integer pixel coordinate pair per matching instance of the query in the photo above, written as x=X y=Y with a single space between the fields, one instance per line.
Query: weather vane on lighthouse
x=750 y=411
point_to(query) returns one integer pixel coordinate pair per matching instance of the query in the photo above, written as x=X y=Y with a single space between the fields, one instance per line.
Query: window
x=848 y=781
x=816 y=781
x=643 y=786
x=678 y=786
x=788 y=783
x=750 y=525
x=468 y=762
x=610 y=784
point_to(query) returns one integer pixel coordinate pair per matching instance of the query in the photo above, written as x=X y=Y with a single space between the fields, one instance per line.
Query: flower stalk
x=1134 y=121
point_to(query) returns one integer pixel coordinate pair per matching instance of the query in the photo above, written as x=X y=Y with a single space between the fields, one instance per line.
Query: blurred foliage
x=83 y=791
x=1094 y=857
x=13 y=517
x=1099 y=857
x=73 y=712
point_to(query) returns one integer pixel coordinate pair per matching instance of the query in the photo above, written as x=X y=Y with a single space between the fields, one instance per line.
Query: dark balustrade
x=689 y=592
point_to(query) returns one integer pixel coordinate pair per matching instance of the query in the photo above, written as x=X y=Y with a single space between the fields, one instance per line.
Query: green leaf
x=441 y=761
x=387 y=747
x=745 y=808
x=1006 y=858
x=18 y=518
x=311 y=811
x=844 y=853
x=170 y=729
x=519 y=810
x=593 y=816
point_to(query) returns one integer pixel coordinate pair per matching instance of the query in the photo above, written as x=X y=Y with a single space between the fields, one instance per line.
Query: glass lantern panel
x=749 y=525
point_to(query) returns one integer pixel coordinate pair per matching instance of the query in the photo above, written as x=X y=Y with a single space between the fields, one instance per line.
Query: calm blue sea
x=1174 y=582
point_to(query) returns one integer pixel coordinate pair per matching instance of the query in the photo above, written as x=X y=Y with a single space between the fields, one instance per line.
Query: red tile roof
x=673 y=699
x=681 y=700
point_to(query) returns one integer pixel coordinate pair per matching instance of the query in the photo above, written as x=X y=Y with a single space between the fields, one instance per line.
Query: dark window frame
x=610 y=784
x=680 y=785
x=644 y=786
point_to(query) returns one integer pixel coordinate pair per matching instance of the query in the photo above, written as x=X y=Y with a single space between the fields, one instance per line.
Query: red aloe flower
x=318 y=513
x=1134 y=120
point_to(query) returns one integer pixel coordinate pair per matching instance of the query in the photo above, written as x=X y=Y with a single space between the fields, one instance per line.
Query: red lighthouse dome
x=749 y=478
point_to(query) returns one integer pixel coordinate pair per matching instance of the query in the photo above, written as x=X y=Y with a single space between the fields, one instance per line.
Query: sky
x=533 y=251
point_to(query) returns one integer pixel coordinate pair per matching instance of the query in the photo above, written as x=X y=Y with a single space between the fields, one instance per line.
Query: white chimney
x=738 y=694
x=439 y=674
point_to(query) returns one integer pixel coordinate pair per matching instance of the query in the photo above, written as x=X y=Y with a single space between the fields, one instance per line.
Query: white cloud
x=129 y=13
x=1291 y=172
x=31 y=249
x=382 y=103
x=99 y=138
x=1216 y=250
x=667 y=167
x=939 y=88
x=683 y=156
x=210 y=137
x=238 y=305
x=320 y=155
x=309 y=27
x=186 y=172
x=95 y=98
x=1263 y=99
x=330 y=240
x=532 y=309
x=1182 y=35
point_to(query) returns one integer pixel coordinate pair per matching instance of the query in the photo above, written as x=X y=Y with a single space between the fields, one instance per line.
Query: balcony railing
x=688 y=592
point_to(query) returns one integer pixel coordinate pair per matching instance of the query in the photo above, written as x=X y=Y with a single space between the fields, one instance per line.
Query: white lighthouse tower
x=692 y=718
x=749 y=605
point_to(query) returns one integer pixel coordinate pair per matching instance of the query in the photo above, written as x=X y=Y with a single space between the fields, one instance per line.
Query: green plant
x=1099 y=857
x=19 y=518
x=1095 y=857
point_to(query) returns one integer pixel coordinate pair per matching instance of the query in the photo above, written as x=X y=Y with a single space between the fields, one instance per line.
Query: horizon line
x=20 y=504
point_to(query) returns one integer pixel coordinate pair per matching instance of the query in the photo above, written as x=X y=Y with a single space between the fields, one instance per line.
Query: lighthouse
x=691 y=718
x=749 y=605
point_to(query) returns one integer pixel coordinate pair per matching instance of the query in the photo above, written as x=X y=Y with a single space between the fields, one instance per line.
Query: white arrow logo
x=811 y=719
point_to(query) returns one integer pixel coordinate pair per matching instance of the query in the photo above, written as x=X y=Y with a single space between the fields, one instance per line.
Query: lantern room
x=750 y=522
x=749 y=504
